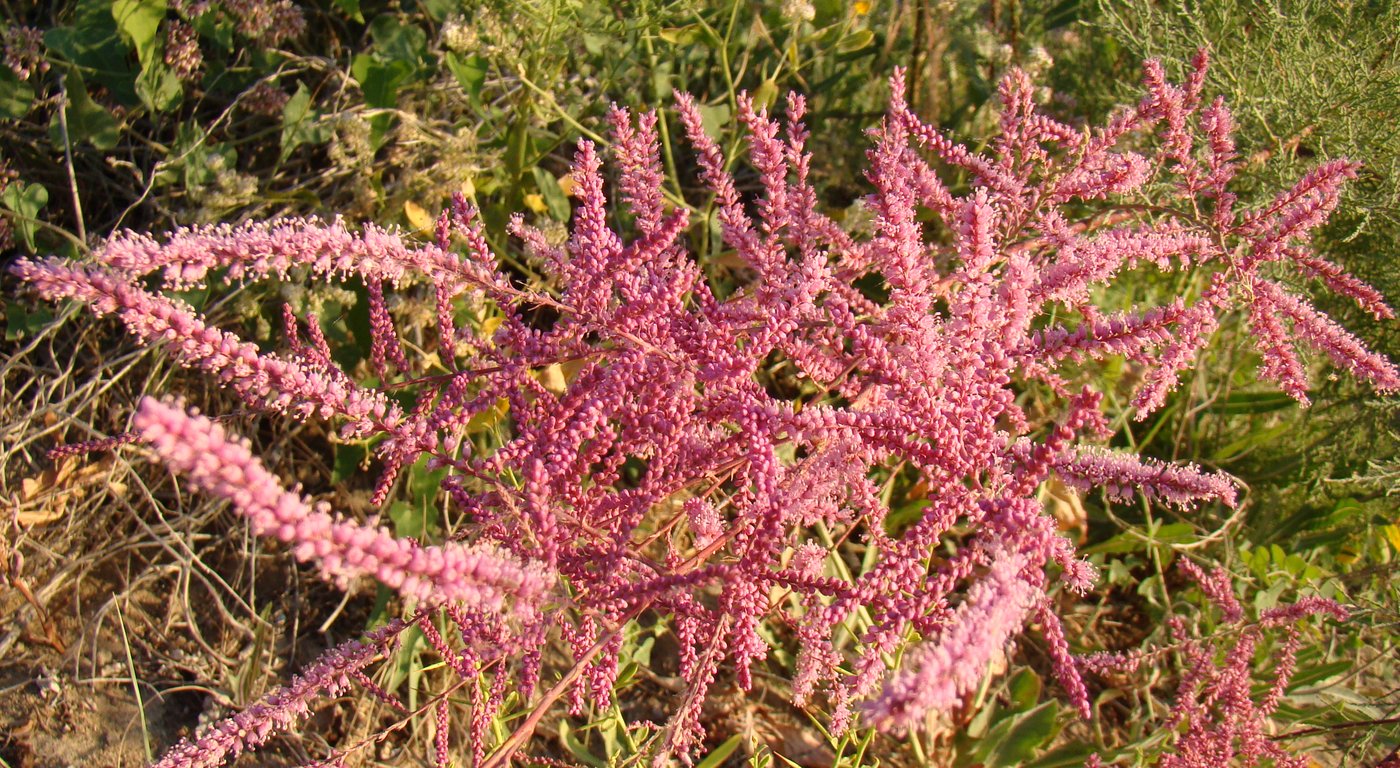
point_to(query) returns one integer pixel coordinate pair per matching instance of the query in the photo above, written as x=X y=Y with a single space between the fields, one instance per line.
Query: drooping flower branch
x=300 y=386
x=199 y=450
x=278 y=711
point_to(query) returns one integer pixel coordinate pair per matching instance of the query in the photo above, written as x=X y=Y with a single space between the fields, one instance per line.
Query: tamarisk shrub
x=1222 y=721
x=1214 y=720
x=664 y=480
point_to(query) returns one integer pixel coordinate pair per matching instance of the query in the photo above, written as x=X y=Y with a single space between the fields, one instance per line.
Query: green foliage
x=25 y=201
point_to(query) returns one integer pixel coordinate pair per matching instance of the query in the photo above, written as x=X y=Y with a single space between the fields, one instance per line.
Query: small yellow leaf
x=535 y=202
x=1392 y=534
x=29 y=488
x=489 y=417
x=572 y=367
x=468 y=189
x=567 y=185
x=1065 y=506
x=418 y=217
x=552 y=378
x=765 y=94
x=490 y=324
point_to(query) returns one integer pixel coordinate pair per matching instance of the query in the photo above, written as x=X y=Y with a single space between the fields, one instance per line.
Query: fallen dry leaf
x=44 y=498
x=1065 y=505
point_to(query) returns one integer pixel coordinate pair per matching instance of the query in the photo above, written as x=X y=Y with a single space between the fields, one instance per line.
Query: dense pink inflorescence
x=278 y=711
x=296 y=385
x=268 y=21
x=1216 y=716
x=650 y=463
x=934 y=676
x=199 y=450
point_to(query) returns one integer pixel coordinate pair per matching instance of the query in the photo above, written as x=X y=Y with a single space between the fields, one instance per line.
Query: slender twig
x=68 y=158
x=1337 y=727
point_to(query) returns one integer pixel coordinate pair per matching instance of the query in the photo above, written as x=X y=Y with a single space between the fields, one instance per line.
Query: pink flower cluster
x=329 y=676
x=24 y=50
x=651 y=466
x=198 y=449
x=265 y=99
x=182 y=52
x=298 y=385
x=935 y=676
x=1216 y=713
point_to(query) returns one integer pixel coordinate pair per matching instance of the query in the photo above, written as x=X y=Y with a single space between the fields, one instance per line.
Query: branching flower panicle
x=646 y=469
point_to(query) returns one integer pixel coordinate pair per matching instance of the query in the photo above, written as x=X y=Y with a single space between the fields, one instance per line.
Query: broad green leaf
x=977 y=727
x=595 y=43
x=87 y=120
x=93 y=43
x=1309 y=675
x=721 y=753
x=1024 y=689
x=197 y=298
x=902 y=517
x=489 y=417
x=380 y=80
x=25 y=200
x=348 y=459
x=20 y=322
x=16 y=95
x=1239 y=403
x=407 y=665
x=139 y=21
x=714 y=117
x=159 y=87
x=1119 y=572
x=424 y=484
x=1019 y=737
x=300 y=123
x=517 y=148
x=351 y=8
x=626 y=672
x=1392 y=535
x=1123 y=543
x=555 y=201
x=470 y=72
x=856 y=41
x=1174 y=533
x=439 y=10
x=1252 y=440
x=407 y=519
x=576 y=747
x=215 y=28
x=642 y=653
x=661 y=82
x=396 y=41
x=1266 y=599
x=1344 y=511
x=1067 y=756
x=765 y=94
x=194 y=160
x=687 y=35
